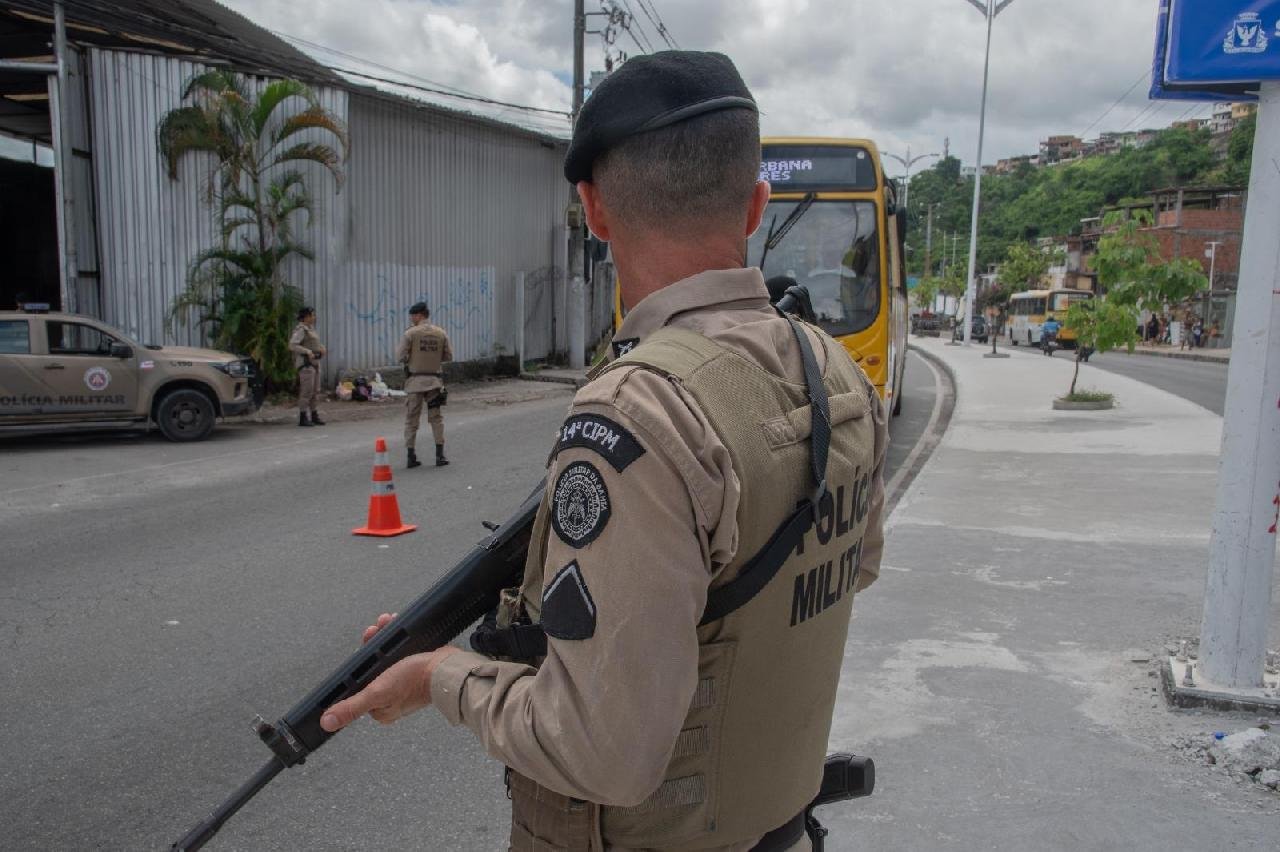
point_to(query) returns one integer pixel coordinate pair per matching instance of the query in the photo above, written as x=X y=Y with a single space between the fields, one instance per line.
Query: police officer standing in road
x=665 y=677
x=305 y=345
x=423 y=349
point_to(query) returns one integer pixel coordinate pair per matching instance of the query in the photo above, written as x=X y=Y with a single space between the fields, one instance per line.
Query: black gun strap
x=764 y=566
x=527 y=641
x=820 y=406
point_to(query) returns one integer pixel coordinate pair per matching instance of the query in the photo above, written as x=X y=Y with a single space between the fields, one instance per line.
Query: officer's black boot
x=302 y=419
x=315 y=419
x=441 y=461
x=413 y=459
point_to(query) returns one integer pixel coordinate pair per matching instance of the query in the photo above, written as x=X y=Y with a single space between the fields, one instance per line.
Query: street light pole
x=907 y=163
x=989 y=8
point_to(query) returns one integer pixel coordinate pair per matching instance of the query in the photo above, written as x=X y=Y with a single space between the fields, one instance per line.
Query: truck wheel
x=185 y=415
x=897 y=404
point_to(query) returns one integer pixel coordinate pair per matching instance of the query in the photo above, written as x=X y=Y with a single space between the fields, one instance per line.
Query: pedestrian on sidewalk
x=423 y=349
x=305 y=345
x=626 y=693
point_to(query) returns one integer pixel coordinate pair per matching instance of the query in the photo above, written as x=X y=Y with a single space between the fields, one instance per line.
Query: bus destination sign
x=815 y=168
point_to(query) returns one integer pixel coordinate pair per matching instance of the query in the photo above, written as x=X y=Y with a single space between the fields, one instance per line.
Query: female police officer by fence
x=307 y=350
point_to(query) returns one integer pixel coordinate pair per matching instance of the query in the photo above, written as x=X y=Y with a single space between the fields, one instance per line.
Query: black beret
x=418 y=308
x=648 y=92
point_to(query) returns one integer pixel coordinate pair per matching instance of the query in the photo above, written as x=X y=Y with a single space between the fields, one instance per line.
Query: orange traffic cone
x=384 y=511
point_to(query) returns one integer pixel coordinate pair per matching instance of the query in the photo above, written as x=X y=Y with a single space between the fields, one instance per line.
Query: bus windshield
x=833 y=249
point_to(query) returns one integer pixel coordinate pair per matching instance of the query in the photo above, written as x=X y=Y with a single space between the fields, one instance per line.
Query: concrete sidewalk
x=1002 y=672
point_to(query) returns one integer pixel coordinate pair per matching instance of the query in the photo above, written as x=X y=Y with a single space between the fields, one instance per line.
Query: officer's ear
x=597 y=217
x=759 y=200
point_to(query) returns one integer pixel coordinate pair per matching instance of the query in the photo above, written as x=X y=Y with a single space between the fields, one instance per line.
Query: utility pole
x=1242 y=543
x=70 y=266
x=928 y=242
x=989 y=8
x=577 y=296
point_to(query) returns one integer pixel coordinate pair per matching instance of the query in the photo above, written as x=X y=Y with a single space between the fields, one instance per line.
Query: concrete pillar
x=1242 y=547
x=520 y=321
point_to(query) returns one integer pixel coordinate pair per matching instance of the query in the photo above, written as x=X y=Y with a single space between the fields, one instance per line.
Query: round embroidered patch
x=580 y=504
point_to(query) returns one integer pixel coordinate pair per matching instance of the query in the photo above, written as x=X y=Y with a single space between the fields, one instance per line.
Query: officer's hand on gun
x=402 y=689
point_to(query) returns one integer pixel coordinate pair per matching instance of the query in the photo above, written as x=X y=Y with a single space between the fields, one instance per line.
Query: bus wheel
x=897 y=404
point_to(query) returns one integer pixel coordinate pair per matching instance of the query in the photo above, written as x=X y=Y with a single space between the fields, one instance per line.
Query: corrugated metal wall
x=151 y=228
x=445 y=210
x=434 y=207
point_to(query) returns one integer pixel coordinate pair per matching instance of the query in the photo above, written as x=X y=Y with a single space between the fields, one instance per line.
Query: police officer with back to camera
x=423 y=349
x=664 y=679
x=305 y=345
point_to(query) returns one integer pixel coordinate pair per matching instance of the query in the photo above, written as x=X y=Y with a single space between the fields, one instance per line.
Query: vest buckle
x=816 y=499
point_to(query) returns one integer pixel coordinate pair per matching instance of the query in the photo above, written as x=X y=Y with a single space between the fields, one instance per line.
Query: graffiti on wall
x=461 y=300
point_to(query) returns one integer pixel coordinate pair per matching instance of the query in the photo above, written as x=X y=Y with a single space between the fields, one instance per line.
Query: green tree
x=1100 y=325
x=1031 y=203
x=1240 y=152
x=1132 y=270
x=1025 y=265
x=925 y=293
x=260 y=143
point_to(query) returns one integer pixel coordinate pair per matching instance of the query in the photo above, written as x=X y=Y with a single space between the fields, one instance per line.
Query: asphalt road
x=1201 y=382
x=154 y=597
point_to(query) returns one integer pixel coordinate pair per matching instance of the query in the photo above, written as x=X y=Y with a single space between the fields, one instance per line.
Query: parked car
x=979 y=332
x=926 y=325
x=60 y=368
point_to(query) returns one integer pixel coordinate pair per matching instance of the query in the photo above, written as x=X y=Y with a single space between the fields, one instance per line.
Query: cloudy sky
x=902 y=72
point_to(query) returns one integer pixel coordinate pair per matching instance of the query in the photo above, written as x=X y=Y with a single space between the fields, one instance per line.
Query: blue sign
x=1209 y=48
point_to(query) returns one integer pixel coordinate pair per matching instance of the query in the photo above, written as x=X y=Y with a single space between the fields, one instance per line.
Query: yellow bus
x=1028 y=311
x=833 y=225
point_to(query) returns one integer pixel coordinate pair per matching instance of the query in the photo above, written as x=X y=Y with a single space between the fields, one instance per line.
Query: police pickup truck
x=67 y=369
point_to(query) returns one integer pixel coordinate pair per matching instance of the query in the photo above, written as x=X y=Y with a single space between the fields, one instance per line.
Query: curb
x=1178 y=356
x=932 y=437
x=1188 y=697
x=575 y=381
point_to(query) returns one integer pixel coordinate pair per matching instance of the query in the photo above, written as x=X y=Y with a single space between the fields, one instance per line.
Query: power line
x=651 y=12
x=631 y=19
x=336 y=52
x=434 y=91
x=1120 y=100
x=1146 y=115
x=422 y=84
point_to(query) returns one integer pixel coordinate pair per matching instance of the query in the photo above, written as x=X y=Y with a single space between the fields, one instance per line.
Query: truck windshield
x=833 y=249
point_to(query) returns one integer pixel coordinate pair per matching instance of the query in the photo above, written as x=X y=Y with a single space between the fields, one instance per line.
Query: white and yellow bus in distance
x=832 y=224
x=1028 y=311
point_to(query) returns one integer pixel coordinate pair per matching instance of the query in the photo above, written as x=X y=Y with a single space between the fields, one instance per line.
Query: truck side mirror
x=121 y=350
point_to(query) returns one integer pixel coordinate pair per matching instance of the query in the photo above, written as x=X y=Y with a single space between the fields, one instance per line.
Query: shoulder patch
x=608 y=438
x=568 y=612
x=624 y=346
x=580 y=504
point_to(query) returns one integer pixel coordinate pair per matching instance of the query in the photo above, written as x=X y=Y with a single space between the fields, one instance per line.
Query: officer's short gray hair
x=697 y=175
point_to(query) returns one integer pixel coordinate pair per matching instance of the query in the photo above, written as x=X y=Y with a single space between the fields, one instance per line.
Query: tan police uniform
x=303 y=343
x=423 y=349
x=641 y=729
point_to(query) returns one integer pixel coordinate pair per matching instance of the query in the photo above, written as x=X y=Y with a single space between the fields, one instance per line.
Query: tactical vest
x=310 y=340
x=426 y=350
x=749 y=756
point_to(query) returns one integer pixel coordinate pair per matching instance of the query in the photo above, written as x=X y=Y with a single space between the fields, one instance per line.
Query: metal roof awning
x=200 y=30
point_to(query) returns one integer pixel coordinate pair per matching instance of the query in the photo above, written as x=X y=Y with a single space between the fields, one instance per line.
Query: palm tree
x=257 y=186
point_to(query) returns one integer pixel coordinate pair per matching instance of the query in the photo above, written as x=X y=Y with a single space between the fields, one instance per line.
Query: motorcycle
x=1049 y=342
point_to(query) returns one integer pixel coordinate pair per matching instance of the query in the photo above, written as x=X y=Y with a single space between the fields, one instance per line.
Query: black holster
x=844 y=777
